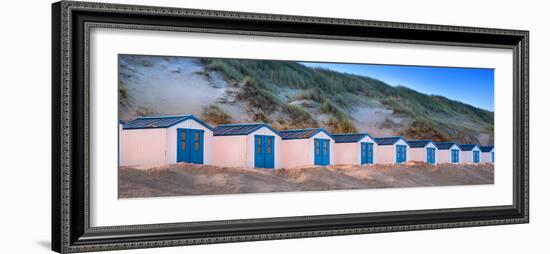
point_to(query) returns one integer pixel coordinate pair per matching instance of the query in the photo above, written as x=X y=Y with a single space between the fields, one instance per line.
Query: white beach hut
x=391 y=150
x=423 y=150
x=469 y=153
x=165 y=140
x=487 y=154
x=306 y=147
x=253 y=145
x=354 y=149
x=447 y=152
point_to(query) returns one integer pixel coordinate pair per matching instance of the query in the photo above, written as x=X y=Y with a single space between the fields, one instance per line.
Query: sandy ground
x=188 y=179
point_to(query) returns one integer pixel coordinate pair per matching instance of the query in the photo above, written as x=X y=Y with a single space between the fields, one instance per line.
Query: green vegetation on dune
x=214 y=114
x=334 y=95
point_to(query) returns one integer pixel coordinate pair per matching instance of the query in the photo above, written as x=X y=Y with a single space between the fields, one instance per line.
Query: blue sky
x=469 y=85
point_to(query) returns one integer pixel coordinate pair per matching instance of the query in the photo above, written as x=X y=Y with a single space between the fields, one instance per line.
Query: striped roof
x=467 y=147
x=152 y=122
x=385 y=141
x=302 y=133
x=486 y=149
x=444 y=145
x=240 y=129
x=418 y=143
x=349 y=138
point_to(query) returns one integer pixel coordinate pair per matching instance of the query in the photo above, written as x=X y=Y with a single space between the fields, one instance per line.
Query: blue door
x=476 y=156
x=367 y=153
x=454 y=156
x=264 y=151
x=493 y=157
x=400 y=153
x=430 y=151
x=190 y=146
x=322 y=152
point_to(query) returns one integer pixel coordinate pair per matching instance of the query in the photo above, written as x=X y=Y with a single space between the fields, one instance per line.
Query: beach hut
x=423 y=150
x=354 y=149
x=165 y=140
x=469 y=153
x=391 y=150
x=306 y=147
x=254 y=145
x=487 y=154
x=447 y=152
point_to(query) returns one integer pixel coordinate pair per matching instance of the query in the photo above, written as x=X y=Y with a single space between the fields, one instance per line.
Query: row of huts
x=185 y=138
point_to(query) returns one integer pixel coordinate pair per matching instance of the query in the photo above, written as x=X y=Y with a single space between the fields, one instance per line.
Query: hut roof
x=302 y=133
x=152 y=122
x=241 y=129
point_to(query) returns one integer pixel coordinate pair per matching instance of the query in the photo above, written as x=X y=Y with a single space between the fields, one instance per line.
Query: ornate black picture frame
x=71 y=231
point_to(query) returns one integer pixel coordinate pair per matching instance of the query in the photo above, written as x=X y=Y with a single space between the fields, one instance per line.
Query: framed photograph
x=181 y=126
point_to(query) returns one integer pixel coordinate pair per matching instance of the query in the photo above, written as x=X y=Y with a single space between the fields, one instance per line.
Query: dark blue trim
x=320 y=158
x=476 y=155
x=317 y=130
x=400 y=154
x=367 y=153
x=185 y=118
x=466 y=146
x=440 y=144
x=429 y=141
x=487 y=149
x=190 y=155
x=264 y=151
x=455 y=155
x=430 y=155
x=259 y=126
x=352 y=141
x=399 y=137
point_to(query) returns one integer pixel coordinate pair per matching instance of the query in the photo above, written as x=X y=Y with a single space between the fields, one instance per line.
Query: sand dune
x=189 y=179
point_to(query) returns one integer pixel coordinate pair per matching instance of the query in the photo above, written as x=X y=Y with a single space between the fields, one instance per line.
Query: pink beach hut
x=391 y=150
x=161 y=140
x=423 y=151
x=487 y=154
x=354 y=149
x=306 y=147
x=470 y=153
x=254 y=145
x=447 y=152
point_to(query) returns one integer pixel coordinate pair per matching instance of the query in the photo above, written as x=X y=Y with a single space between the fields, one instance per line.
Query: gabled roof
x=350 y=137
x=486 y=149
x=444 y=145
x=240 y=129
x=385 y=141
x=467 y=147
x=419 y=143
x=121 y=122
x=302 y=133
x=152 y=122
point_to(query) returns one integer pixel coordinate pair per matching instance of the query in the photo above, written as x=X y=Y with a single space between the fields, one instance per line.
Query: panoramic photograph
x=217 y=126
